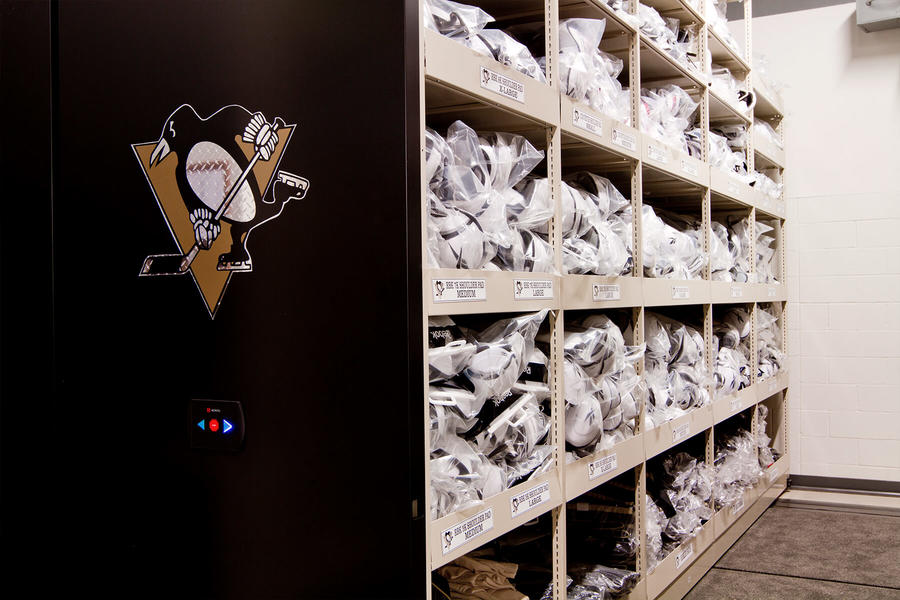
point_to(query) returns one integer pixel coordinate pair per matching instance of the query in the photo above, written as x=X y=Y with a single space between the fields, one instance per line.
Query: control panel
x=217 y=424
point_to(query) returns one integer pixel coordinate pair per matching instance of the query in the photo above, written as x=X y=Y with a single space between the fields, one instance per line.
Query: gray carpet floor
x=801 y=553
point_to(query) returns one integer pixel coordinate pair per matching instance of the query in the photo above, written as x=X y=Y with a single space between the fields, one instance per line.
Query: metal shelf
x=674 y=292
x=769 y=104
x=762 y=202
x=727 y=185
x=771 y=386
x=493 y=517
x=658 y=66
x=460 y=291
x=677 y=561
x=680 y=9
x=731 y=292
x=727 y=407
x=461 y=73
x=587 y=473
x=589 y=9
x=723 y=112
x=586 y=125
x=668 y=164
x=729 y=515
x=768 y=155
x=671 y=433
x=583 y=292
x=722 y=54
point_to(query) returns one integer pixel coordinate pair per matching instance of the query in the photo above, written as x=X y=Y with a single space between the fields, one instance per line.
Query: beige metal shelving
x=575 y=137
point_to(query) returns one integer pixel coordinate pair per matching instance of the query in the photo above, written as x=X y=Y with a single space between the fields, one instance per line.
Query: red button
x=213 y=425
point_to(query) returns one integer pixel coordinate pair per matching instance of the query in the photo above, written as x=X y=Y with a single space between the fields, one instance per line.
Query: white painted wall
x=842 y=97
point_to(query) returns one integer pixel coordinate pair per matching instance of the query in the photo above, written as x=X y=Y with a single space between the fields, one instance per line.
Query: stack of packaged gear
x=728 y=88
x=767 y=454
x=602 y=543
x=675 y=369
x=678 y=503
x=489 y=404
x=717 y=20
x=736 y=466
x=730 y=250
x=604 y=392
x=763 y=129
x=667 y=115
x=589 y=75
x=466 y=25
x=732 y=336
x=672 y=245
x=483 y=210
x=621 y=8
x=765 y=254
x=596 y=227
x=771 y=357
x=726 y=153
x=681 y=43
x=767 y=185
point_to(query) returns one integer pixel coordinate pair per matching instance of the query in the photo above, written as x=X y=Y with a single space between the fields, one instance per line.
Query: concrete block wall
x=842 y=96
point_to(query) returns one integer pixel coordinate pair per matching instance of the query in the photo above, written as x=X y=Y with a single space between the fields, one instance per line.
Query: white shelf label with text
x=529 y=499
x=771 y=292
x=657 y=154
x=606 y=292
x=738 y=506
x=588 y=122
x=737 y=292
x=680 y=292
x=503 y=85
x=602 y=465
x=626 y=140
x=689 y=168
x=468 y=530
x=459 y=290
x=736 y=404
x=683 y=555
x=533 y=289
x=681 y=432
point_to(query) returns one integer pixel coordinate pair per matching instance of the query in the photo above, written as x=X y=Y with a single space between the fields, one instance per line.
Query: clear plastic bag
x=667 y=113
x=588 y=74
x=766 y=131
x=668 y=252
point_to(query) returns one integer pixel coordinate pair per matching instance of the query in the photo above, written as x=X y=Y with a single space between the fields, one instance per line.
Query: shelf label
x=738 y=506
x=771 y=292
x=468 y=530
x=733 y=188
x=736 y=404
x=459 y=290
x=773 y=385
x=680 y=292
x=588 y=122
x=689 y=168
x=683 y=555
x=606 y=292
x=533 y=289
x=602 y=466
x=529 y=499
x=626 y=140
x=737 y=292
x=657 y=154
x=773 y=474
x=681 y=432
x=500 y=84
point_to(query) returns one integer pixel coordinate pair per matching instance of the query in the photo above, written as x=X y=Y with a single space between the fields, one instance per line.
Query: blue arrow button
x=228 y=426
x=202 y=424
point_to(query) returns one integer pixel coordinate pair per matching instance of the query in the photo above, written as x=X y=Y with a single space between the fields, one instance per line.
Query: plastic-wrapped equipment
x=596 y=226
x=588 y=74
x=675 y=369
x=765 y=254
x=666 y=114
x=765 y=130
x=604 y=393
x=488 y=402
x=601 y=583
x=466 y=25
x=484 y=211
x=736 y=467
x=681 y=43
x=725 y=158
x=767 y=185
x=767 y=454
x=729 y=89
x=679 y=505
x=672 y=245
x=771 y=356
x=762 y=73
x=732 y=369
x=730 y=250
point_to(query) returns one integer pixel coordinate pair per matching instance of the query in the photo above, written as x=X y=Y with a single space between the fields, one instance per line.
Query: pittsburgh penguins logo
x=216 y=179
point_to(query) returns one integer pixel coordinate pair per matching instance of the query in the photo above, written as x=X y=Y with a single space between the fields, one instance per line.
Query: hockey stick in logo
x=178 y=264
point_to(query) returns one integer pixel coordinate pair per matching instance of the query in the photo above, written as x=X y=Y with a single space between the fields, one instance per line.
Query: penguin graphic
x=216 y=177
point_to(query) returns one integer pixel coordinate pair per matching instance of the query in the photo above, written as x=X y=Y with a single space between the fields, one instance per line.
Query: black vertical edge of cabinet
x=320 y=342
x=25 y=285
